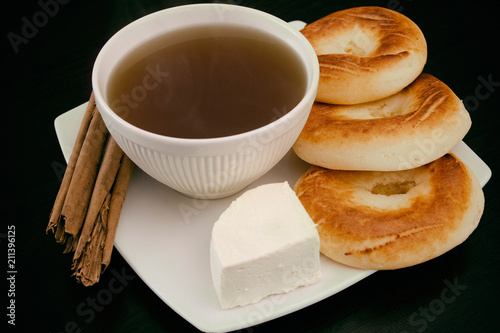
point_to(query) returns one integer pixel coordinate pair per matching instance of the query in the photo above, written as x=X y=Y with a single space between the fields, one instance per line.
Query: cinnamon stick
x=102 y=187
x=87 y=208
x=82 y=183
x=55 y=214
x=87 y=268
x=117 y=200
x=93 y=253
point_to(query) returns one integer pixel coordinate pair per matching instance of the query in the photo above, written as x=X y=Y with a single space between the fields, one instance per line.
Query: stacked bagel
x=383 y=188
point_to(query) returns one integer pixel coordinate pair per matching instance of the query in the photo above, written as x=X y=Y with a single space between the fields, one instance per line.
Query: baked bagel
x=365 y=54
x=390 y=220
x=406 y=130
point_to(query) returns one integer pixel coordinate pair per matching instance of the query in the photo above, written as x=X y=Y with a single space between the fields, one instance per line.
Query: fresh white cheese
x=264 y=243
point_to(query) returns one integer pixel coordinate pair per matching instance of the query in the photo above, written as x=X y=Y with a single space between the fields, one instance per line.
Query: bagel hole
x=353 y=48
x=356 y=41
x=391 y=106
x=359 y=43
x=392 y=188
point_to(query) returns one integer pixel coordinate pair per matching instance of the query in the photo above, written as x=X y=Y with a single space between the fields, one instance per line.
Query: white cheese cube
x=264 y=243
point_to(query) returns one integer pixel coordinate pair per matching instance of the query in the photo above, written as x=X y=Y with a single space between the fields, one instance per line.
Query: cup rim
x=159 y=138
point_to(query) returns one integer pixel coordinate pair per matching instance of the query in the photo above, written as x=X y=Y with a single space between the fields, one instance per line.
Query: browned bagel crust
x=375 y=231
x=411 y=128
x=365 y=53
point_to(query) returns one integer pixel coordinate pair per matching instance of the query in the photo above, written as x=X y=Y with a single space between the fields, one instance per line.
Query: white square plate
x=165 y=238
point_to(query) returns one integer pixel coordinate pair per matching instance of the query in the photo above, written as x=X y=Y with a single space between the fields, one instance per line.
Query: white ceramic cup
x=215 y=167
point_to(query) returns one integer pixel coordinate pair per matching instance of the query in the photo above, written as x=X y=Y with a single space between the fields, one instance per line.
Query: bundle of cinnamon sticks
x=88 y=205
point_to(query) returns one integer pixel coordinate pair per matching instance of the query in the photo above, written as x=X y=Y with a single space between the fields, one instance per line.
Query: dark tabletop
x=50 y=47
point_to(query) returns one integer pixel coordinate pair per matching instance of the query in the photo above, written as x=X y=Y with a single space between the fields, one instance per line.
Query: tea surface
x=206 y=82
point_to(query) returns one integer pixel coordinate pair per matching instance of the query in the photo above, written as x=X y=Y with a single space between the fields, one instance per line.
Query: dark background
x=50 y=74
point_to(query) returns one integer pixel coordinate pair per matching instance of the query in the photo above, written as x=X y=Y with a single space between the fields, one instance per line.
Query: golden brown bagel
x=390 y=220
x=365 y=54
x=406 y=130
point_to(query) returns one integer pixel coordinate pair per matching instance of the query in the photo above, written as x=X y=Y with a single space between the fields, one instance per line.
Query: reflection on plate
x=165 y=238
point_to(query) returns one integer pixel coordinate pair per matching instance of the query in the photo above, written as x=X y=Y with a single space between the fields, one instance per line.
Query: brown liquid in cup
x=207 y=81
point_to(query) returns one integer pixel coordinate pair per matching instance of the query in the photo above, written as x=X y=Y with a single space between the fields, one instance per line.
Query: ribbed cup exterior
x=211 y=176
